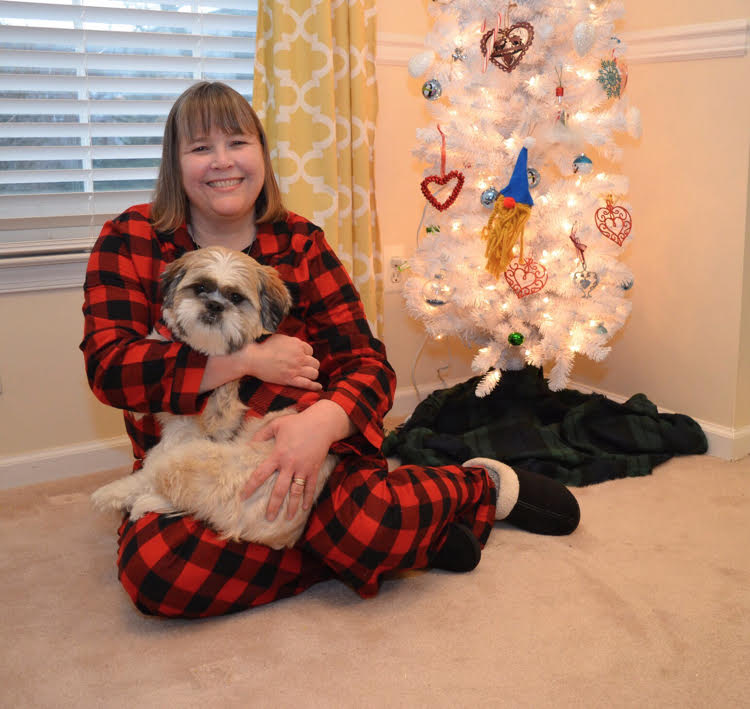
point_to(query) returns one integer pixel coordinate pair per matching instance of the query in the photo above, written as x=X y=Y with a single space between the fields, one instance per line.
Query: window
x=85 y=87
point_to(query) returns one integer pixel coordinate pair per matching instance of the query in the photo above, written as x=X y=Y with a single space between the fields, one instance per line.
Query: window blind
x=85 y=88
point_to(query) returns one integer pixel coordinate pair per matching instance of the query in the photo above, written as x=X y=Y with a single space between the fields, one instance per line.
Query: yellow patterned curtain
x=315 y=92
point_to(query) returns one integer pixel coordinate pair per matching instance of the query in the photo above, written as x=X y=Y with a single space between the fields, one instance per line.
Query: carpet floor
x=646 y=605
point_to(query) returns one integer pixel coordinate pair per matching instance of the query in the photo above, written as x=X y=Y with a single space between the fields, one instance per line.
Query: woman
x=216 y=186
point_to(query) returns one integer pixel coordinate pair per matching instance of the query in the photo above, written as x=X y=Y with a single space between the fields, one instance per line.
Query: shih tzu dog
x=216 y=300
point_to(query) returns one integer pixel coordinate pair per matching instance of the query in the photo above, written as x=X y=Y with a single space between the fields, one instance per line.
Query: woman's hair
x=203 y=106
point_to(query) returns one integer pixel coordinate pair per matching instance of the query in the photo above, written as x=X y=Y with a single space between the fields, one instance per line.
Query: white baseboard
x=86 y=458
x=723 y=442
x=65 y=462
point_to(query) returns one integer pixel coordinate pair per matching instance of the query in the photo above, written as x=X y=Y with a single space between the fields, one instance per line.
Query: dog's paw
x=109 y=498
x=151 y=502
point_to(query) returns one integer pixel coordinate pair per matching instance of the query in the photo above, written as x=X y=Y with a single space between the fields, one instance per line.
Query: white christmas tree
x=520 y=242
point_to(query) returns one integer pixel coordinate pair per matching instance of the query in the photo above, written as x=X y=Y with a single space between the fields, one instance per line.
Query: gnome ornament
x=508 y=219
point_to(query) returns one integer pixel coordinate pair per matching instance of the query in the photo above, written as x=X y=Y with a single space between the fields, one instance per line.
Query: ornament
x=515 y=339
x=437 y=292
x=508 y=44
x=442 y=179
x=601 y=330
x=432 y=228
x=432 y=90
x=508 y=219
x=583 y=165
x=597 y=4
x=586 y=281
x=561 y=112
x=526 y=277
x=534 y=177
x=580 y=247
x=459 y=54
x=627 y=285
x=614 y=222
x=610 y=77
x=489 y=196
x=420 y=63
x=584 y=35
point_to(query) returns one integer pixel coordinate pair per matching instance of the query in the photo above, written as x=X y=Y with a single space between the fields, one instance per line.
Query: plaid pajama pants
x=367 y=522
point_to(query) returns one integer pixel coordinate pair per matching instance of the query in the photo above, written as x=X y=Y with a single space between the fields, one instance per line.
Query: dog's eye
x=199 y=288
x=236 y=298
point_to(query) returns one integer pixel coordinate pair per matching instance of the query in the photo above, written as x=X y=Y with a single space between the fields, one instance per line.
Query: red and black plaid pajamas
x=367 y=521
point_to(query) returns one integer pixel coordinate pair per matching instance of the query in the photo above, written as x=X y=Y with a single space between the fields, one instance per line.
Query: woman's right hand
x=281 y=359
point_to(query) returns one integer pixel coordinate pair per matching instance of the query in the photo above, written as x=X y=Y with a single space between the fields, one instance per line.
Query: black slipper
x=460 y=552
x=545 y=505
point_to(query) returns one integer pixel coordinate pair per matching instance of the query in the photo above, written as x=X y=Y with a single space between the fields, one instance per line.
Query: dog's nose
x=214 y=306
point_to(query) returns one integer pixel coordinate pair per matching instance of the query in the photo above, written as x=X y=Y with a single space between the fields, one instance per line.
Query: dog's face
x=217 y=300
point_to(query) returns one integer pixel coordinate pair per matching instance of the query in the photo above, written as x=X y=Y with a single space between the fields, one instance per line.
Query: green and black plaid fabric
x=576 y=438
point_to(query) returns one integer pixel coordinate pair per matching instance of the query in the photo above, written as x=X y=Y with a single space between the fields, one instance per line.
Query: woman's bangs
x=223 y=111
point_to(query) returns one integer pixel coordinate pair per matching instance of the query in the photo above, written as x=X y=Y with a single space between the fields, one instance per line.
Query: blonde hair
x=200 y=108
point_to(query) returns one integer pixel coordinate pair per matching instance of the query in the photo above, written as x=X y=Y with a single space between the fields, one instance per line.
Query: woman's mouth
x=225 y=183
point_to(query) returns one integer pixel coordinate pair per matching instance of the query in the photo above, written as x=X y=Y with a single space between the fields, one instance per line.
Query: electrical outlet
x=397 y=267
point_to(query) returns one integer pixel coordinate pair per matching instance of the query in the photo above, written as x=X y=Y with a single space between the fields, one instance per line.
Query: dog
x=216 y=300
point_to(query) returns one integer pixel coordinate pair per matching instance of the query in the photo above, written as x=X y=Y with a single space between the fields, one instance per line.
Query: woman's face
x=222 y=175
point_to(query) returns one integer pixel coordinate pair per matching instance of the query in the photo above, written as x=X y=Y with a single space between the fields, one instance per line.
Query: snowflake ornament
x=610 y=77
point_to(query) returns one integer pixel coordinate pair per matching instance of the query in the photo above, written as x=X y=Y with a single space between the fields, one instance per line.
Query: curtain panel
x=315 y=92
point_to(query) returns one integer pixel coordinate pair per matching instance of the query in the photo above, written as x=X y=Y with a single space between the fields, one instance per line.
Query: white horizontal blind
x=85 y=88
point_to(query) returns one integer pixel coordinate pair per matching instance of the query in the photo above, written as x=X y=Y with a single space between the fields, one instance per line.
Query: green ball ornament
x=515 y=339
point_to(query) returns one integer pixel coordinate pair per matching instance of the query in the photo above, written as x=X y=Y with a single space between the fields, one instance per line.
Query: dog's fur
x=215 y=300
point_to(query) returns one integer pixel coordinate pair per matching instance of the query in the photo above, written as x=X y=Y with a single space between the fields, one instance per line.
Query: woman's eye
x=236 y=298
x=199 y=148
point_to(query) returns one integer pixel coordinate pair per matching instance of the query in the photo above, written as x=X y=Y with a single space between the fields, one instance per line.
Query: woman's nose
x=222 y=157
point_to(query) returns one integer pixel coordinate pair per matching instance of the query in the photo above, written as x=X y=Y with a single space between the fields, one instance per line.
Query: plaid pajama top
x=123 y=305
x=367 y=521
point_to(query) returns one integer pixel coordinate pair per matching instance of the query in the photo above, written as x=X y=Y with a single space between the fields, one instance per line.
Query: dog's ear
x=275 y=301
x=171 y=277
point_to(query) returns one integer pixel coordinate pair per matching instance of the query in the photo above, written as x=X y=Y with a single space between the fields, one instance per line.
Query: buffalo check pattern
x=367 y=521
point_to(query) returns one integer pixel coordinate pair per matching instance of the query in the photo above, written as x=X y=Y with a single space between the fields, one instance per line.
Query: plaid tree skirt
x=573 y=437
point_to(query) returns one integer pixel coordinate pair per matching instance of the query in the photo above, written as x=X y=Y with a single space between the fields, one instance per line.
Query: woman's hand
x=302 y=443
x=280 y=359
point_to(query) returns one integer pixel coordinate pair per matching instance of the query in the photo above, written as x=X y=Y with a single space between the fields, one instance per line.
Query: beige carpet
x=646 y=605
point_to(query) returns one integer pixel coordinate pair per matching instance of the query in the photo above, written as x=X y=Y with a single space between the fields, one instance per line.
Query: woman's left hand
x=302 y=443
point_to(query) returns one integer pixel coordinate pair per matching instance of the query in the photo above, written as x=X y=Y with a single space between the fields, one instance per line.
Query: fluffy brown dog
x=216 y=300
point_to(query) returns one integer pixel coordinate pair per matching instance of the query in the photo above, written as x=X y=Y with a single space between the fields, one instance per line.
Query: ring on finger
x=298 y=481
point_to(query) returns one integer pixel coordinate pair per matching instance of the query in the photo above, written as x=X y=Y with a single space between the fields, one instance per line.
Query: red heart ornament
x=443 y=180
x=614 y=222
x=525 y=277
x=510 y=44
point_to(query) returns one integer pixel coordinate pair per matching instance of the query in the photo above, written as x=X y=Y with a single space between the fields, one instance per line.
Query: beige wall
x=687 y=343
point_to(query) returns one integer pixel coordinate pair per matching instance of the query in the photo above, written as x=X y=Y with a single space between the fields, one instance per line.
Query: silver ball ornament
x=534 y=177
x=437 y=292
x=489 y=196
x=432 y=90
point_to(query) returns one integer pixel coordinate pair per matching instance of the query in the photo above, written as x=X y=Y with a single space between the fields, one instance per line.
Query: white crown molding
x=709 y=40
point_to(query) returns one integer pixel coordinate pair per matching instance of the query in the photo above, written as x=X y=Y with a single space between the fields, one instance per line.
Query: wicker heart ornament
x=443 y=180
x=509 y=45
